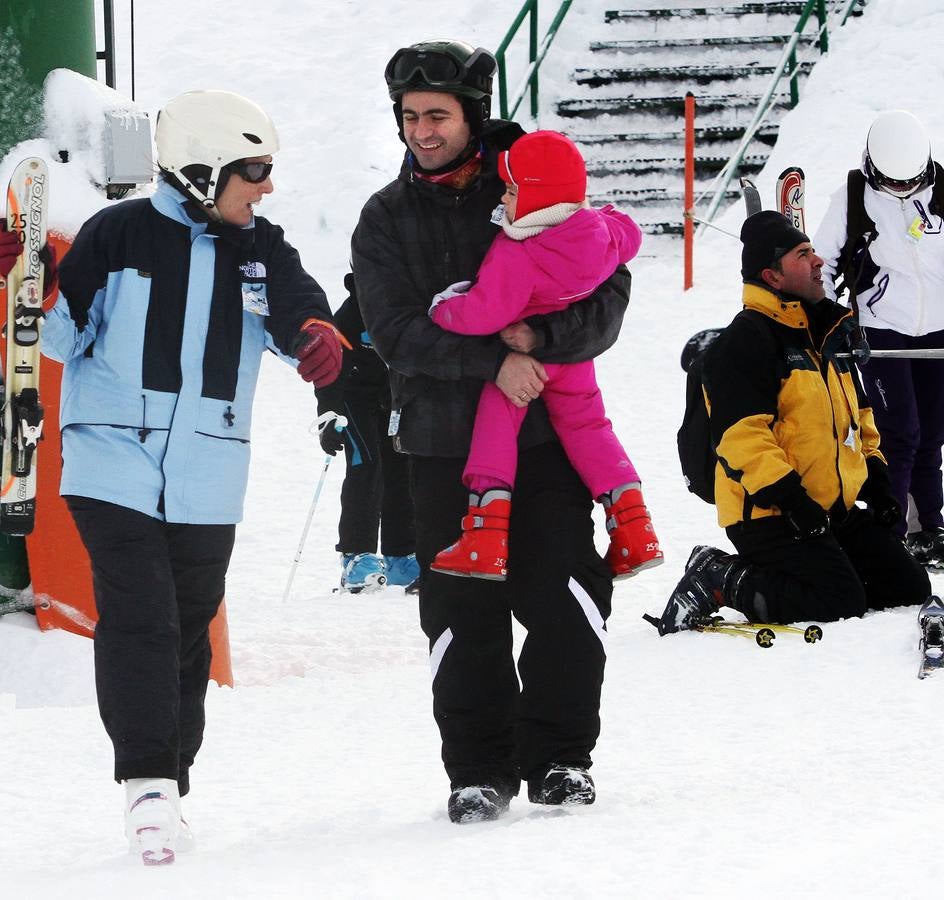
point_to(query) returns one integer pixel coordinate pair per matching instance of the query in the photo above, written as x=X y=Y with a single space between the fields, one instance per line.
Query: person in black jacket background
x=427 y=229
x=376 y=491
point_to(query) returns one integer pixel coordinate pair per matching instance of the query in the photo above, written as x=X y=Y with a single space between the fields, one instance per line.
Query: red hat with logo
x=547 y=168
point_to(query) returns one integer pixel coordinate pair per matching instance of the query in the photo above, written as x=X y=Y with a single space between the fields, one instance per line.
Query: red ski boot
x=482 y=550
x=633 y=542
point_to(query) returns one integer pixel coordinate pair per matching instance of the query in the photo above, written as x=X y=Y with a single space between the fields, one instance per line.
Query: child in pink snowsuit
x=554 y=250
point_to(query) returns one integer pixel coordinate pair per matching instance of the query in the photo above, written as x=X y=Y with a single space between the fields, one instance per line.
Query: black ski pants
x=157 y=588
x=376 y=490
x=558 y=588
x=857 y=566
x=908 y=404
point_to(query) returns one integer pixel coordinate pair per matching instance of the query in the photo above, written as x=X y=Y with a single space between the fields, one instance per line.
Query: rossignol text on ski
x=27 y=197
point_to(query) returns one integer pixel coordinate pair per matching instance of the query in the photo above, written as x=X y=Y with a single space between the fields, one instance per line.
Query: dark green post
x=821 y=16
x=37 y=36
x=532 y=56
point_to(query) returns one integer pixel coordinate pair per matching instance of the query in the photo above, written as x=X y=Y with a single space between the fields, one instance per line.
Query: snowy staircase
x=627 y=111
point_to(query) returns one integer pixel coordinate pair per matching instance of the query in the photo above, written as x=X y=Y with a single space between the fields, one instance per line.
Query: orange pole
x=689 y=225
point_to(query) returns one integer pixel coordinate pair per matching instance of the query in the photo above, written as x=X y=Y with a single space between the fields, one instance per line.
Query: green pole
x=37 y=36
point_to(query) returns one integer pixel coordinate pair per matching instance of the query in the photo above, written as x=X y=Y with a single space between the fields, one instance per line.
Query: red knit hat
x=547 y=168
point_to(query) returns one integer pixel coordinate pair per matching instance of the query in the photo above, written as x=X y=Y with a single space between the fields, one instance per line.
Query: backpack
x=696 y=450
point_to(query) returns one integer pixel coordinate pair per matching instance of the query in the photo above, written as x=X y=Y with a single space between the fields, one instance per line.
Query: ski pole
x=925 y=353
x=320 y=424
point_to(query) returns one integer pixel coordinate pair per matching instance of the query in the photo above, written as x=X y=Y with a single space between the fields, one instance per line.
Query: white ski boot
x=152 y=819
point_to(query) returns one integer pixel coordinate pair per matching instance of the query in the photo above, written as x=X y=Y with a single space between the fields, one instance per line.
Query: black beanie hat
x=766 y=236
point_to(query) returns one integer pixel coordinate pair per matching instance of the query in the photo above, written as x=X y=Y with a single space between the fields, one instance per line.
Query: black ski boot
x=563 y=785
x=931 y=618
x=931 y=644
x=476 y=803
x=927 y=547
x=711 y=580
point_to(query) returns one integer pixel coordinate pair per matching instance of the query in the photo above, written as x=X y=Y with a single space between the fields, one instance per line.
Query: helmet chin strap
x=207 y=201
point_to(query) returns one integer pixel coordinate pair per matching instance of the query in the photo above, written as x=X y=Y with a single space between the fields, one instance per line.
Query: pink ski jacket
x=542 y=274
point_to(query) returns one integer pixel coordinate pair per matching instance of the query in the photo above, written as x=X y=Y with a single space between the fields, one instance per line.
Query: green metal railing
x=786 y=67
x=536 y=54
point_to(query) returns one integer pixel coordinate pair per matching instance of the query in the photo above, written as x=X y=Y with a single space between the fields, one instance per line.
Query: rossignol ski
x=931 y=642
x=791 y=196
x=22 y=412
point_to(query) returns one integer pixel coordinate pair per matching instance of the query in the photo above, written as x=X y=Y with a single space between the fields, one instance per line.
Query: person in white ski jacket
x=166 y=306
x=891 y=258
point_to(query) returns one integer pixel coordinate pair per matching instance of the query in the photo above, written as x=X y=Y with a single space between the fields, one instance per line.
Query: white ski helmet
x=210 y=129
x=898 y=154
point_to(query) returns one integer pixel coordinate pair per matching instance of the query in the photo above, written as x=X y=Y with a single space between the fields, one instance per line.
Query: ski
x=791 y=197
x=931 y=642
x=751 y=197
x=27 y=198
x=763 y=632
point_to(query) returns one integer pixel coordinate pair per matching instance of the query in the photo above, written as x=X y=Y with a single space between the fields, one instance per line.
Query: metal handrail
x=536 y=54
x=763 y=108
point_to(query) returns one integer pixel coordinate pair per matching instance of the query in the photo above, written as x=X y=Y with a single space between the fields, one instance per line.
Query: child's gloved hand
x=454 y=290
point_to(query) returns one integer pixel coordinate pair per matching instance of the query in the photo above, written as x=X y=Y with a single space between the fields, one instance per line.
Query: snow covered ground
x=723 y=769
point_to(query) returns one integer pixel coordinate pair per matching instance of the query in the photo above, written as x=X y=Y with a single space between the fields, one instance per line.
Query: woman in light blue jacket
x=166 y=307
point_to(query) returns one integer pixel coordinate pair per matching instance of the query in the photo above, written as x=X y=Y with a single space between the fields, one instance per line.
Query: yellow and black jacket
x=784 y=411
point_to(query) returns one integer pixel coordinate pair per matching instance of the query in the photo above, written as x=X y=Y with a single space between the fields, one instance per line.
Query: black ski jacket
x=415 y=238
x=363 y=372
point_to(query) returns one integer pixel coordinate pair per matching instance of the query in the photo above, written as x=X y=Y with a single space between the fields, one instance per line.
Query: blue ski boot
x=362 y=572
x=402 y=570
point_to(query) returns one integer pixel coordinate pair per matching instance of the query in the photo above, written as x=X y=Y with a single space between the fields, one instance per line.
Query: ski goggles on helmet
x=253 y=172
x=899 y=187
x=434 y=68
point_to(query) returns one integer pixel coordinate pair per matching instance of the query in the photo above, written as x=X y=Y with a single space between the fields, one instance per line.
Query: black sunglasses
x=253 y=172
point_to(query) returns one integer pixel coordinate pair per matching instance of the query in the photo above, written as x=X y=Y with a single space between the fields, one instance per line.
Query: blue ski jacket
x=161 y=323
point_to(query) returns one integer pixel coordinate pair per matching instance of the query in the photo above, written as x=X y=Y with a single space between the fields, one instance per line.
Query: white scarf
x=540 y=220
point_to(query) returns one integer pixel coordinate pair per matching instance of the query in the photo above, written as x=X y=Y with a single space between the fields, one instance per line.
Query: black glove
x=859 y=346
x=805 y=516
x=877 y=494
x=50 y=262
x=330 y=437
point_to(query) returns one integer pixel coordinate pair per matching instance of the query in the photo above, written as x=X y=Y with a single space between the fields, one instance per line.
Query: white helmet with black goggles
x=203 y=135
x=452 y=67
x=898 y=154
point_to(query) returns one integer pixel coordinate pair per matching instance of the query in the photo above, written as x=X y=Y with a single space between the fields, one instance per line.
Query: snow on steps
x=627 y=112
